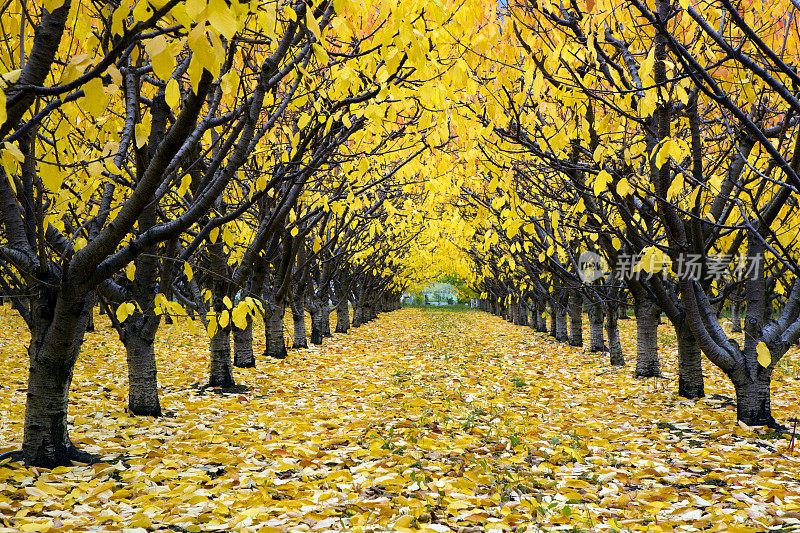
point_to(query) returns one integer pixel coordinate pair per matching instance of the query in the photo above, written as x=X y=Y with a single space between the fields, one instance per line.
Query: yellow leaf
x=321 y=54
x=124 y=311
x=130 y=271
x=764 y=357
x=403 y=524
x=11 y=77
x=194 y=8
x=624 y=187
x=212 y=324
x=187 y=269
x=95 y=100
x=239 y=315
x=222 y=19
x=15 y=152
x=601 y=182
x=312 y=24
x=3 y=116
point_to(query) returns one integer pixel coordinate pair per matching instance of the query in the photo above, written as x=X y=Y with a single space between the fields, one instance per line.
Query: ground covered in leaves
x=422 y=420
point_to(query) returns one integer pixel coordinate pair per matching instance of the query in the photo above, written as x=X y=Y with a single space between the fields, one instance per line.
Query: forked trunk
x=614 y=345
x=243 y=356
x=690 y=369
x=647 y=363
x=596 y=317
x=221 y=373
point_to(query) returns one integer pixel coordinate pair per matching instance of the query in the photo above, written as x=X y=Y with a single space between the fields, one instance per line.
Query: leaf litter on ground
x=423 y=420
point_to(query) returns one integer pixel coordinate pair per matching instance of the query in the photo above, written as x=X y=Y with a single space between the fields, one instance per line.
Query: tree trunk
x=342 y=316
x=522 y=312
x=297 y=302
x=221 y=374
x=299 y=321
x=142 y=372
x=690 y=369
x=562 y=331
x=315 y=308
x=614 y=345
x=576 y=319
x=46 y=441
x=273 y=331
x=541 y=320
x=55 y=343
x=596 y=317
x=647 y=363
x=753 y=399
x=90 y=323
x=243 y=356
x=325 y=318
x=736 y=315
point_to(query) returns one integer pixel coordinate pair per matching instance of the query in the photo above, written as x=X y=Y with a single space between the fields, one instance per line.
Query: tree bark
x=55 y=343
x=753 y=405
x=562 y=331
x=541 y=320
x=273 y=330
x=576 y=319
x=315 y=308
x=142 y=371
x=596 y=317
x=736 y=315
x=690 y=369
x=647 y=363
x=614 y=345
x=299 y=321
x=221 y=373
x=342 y=316
x=522 y=312
x=325 y=318
x=243 y=356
